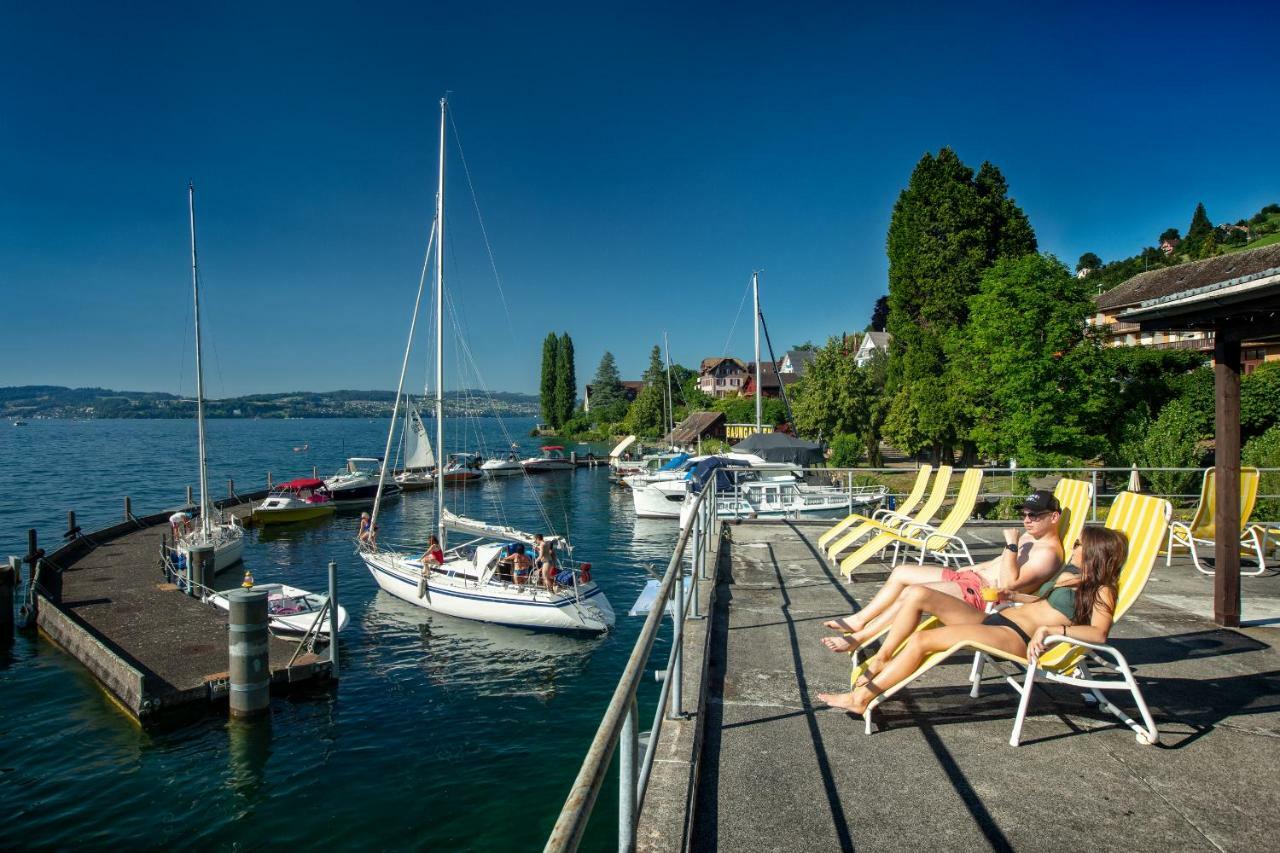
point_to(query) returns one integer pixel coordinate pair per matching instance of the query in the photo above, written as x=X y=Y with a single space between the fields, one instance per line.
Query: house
x=1169 y=245
x=630 y=390
x=795 y=361
x=872 y=343
x=695 y=428
x=1160 y=283
x=720 y=377
x=771 y=380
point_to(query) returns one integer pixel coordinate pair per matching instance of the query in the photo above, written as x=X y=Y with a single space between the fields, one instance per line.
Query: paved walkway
x=780 y=774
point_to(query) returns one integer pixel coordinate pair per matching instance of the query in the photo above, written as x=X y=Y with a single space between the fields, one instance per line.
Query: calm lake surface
x=443 y=734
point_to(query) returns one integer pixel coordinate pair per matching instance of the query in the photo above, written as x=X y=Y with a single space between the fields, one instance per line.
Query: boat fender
x=585 y=572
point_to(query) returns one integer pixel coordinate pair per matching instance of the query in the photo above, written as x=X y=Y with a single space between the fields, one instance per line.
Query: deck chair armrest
x=1101 y=648
x=915 y=529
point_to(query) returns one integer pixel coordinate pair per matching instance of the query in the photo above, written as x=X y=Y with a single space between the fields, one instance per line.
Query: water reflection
x=249 y=749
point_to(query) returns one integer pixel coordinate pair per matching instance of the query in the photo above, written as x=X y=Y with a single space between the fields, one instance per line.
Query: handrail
x=621 y=716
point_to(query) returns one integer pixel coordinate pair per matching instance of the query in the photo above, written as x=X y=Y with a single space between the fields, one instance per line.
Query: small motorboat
x=356 y=486
x=462 y=468
x=297 y=500
x=302 y=448
x=289 y=610
x=508 y=467
x=552 y=458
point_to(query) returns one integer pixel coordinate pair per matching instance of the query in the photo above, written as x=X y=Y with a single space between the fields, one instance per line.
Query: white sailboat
x=470 y=583
x=226 y=537
x=419 y=460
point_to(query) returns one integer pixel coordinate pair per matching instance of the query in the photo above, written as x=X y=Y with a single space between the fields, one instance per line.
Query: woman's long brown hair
x=1105 y=551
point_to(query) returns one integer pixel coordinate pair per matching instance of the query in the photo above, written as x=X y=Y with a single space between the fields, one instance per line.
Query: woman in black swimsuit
x=1077 y=604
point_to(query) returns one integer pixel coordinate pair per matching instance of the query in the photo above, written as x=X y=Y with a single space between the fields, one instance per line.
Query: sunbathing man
x=1079 y=605
x=1027 y=561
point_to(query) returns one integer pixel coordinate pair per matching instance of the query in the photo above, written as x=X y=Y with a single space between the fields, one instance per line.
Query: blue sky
x=633 y=163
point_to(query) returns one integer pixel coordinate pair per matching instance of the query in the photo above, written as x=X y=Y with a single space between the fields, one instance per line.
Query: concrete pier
x=155 y=649
x=763 y=766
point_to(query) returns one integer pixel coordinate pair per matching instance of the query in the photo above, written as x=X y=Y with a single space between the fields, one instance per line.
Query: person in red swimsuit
x=1028 y=560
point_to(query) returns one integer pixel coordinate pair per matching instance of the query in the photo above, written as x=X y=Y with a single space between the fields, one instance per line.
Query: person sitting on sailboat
x=546 y=561
x=367 y=532
x=432 y=558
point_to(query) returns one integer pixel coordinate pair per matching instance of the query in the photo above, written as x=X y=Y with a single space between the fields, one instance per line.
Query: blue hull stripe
x=473 y=597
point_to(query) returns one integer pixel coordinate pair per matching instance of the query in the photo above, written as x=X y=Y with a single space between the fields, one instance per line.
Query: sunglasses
x=1034 y=516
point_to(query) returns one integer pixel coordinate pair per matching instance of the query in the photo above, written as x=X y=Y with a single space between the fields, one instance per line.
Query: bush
x=1264 y=452
x=846 y=451
x=1174 y=440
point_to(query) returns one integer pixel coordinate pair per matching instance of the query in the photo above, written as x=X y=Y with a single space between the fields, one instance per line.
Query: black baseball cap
x=1041 y=500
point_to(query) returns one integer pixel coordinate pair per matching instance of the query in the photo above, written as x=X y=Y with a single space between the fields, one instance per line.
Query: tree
x=608 y=398
x=1260 y=400
x=566 y=390
x=833 y=397
x=1173 y=440
x=880 y=314
x=948 y=226
x=1201 y=227
x=807 y=345
x=1088 y=261
x=1022 y=370
x=547 y=387
x=1171 y=235
x=646 y=415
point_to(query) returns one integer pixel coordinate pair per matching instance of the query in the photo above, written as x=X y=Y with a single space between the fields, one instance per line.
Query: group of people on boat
x=515 y=564
x=1076 y=600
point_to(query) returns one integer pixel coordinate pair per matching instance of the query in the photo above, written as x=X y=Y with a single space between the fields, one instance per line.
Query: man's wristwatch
x=1012 y=547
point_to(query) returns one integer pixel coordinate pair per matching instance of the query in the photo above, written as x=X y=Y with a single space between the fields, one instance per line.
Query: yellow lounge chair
x=1074 y=496
x=897 y=520
x=904 y=509
x=1201 y=530
x=941 y=541
x=1144 y=520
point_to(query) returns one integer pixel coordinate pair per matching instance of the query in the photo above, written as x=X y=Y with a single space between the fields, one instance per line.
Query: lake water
x=443 y=734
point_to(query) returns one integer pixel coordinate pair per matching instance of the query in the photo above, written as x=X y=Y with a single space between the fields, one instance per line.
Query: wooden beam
x=1226 y=550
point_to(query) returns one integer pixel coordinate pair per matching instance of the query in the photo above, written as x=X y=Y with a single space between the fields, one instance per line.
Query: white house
x=872 y=342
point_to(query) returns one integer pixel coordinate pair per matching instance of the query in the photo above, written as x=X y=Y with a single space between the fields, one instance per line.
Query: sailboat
x=226 y=537
x=419 y=460
x=471 y=583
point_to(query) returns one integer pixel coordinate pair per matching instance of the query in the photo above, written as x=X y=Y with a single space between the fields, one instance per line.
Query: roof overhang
x=1249 y=305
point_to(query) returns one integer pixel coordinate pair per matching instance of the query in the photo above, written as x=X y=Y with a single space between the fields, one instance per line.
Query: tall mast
x=671 y=402
x=441 y=457
x=195 y=290
x=755 y=327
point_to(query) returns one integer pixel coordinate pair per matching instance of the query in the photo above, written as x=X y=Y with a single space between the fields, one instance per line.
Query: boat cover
x=714 y=467
x=779 y=447
x=675 y=463
x=301 y=483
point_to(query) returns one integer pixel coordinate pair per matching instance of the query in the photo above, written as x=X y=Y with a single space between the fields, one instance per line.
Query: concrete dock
x=155 y=649
x=763 y=766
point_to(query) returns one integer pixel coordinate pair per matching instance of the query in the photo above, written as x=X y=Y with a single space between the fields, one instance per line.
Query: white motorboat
x=508 y=467
x=419 y=460
x=462 y=468
x=468 y=583
x=782 y=499
x=225 y=536
x=290 y=610
x=661 y=493
x=356 y=485
x=551 y=458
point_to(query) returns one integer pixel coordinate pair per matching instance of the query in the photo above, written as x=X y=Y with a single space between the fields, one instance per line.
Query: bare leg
x=886 y=618
x=901 y=578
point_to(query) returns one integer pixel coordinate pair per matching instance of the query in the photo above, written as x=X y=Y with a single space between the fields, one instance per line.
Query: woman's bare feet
x=847 y=625
x=839 y=700
x=840 y=644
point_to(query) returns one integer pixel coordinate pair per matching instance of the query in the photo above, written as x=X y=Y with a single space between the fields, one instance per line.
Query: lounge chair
x=1074 y=496
x=904 y=509
x=1144 y=520
x=897 y=520
x=1201 y=530
x=940 y=542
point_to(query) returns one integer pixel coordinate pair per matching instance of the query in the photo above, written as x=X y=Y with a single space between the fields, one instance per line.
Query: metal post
x=333 y=620
x=189 y=496
x=677 y=640
x=313 y=472
x=628 y=744
x=695 y=563
x=128 y=508
x=199 y=569
x=1093 y=477
x=249 y=649
x=231 y=490
x=71 y=524
x=268 y=481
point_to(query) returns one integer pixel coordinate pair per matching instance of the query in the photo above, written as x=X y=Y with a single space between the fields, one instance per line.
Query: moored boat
x=357 y=484
x=297 y=500
x=551 y=458
x=290 y=610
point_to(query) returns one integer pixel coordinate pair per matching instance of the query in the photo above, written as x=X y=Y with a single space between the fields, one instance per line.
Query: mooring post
x=128 y=508
x=33 y=553
x=72 y=530
x=199 y=569
x=313 y=472
x=8 y=580
x=231 y=489
x=247 y=642
x=573 y=459
x=268 y=481
x=333 y=620
x=189 y=497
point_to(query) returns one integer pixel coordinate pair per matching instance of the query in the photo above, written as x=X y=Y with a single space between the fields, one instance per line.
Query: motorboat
x=661 y=493
x=356 y=485
x=463 y=468
x=551 y=458
x=419 y=460
x=508 y=467
x=290 y=610
x=748 y=497
x=469 y=585
x=223 y=535
x=297 y=500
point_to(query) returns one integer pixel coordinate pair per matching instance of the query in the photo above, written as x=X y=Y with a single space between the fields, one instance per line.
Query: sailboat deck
x=153 y=647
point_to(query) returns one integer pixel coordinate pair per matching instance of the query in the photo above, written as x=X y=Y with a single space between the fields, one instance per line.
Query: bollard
x=128 y=509
x=72 y=530
x=313 y=472
x=189 y=497
x=231 y=490
x=8 y=580
x=268 y=481
x=199 y=569
x=333 y=620
x=573 y=459
x=249 y=651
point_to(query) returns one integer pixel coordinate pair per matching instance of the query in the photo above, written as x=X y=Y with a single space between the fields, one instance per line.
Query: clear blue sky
x=633 y=164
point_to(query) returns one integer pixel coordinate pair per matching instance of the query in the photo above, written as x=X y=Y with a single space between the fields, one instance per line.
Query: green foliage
x=645 y=417
x=547 y=387
x=566 y=388
x=836 y=397
x=846 y=451
x=742 y=410
x=1022 y=371
x=1175 y=439
x=1136 y=383
x=1260 y=400
x=1088 y=261
x=1201 y=227
x=948 y=226
x=879 y=315
x=810 y=345
x=1170 y=234
x=608 y=398
x=1263 y=451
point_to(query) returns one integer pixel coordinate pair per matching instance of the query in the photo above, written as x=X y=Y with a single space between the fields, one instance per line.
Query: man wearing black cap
x=1029 y=558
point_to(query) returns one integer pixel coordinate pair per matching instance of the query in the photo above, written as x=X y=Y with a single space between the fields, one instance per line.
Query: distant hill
x=55 y=401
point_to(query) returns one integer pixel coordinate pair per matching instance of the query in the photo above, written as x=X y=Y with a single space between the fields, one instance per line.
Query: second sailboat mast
x=441 y=456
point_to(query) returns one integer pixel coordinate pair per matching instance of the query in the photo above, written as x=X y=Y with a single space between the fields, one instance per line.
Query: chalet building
x=630 y=390
x=720 y=377
x=771 y=380
x=1241 y=267
x=695 y=428
x=795 y=361
x=872 y=343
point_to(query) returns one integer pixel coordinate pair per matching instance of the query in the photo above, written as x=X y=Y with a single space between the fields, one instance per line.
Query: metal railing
x=618 y=731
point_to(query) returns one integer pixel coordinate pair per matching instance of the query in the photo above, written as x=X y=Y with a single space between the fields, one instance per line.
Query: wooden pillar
x=1226 y=546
